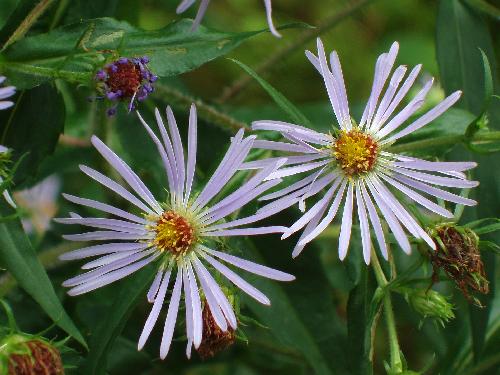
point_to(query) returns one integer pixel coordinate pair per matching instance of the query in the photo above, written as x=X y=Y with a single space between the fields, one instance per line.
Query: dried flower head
x=459 y=257
x=126 y=79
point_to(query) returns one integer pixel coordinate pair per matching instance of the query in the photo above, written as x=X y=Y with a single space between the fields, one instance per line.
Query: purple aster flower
x=354 y=164
x=180 y=235
x=6 y=92
x=185 y=4
x=125 y=80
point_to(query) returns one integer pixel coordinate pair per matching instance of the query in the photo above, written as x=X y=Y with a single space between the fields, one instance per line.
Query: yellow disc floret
x=355 y=152
x=174 y=234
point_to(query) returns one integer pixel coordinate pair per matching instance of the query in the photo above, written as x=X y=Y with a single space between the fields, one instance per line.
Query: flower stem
x=445 y=141
x=30 y=19
x=395 y=356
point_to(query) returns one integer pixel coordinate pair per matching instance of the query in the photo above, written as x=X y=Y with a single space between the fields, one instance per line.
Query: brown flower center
x=356 y=152
x=174 y=233
x=125 y=78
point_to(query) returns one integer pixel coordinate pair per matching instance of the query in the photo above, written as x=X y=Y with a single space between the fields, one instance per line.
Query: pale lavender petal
x=289 y=160
x=245 y=231
x=297 y=130
x=428 y=117
x=269 y=16
x=104 y=223
x=237 y=280
x=252 y=267
x=437 y=180
x=164 y=278
x=104 y=235
x=7 y=92
x=200 y=14
x=170 y=152
x=184 y=5
x=173 y=309
x=436 y=166
x=192 y=144
x=418 y=198
x=107 y=248
x=105 y=208
x=339 y=78
x=375 y=220
x=167 y=164
x=345 y=228
x=5 y=105
x=363 y=226
x=116 y=188
x=111 y=277
x=107 y=259
x=332 y=211
x=217 y=292
x=290 y=171
x=196 y=307
x=213 y=304
x=280 y=146
x=153 y=289
x=126 y=172
x=178 y=151
x=297 y=185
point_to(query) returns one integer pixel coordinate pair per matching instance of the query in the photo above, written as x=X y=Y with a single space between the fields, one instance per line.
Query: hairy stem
x=208 y=113
x=308 y=35
x=396 y=362
x=30 y=19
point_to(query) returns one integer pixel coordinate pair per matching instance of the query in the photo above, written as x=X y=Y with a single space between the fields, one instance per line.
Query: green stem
x=396 y=362
x=445 y=141
x=295 y=45
x=205 y=111
x=30 y=19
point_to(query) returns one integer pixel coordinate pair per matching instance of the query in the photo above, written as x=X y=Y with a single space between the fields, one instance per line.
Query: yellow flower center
x=355 y=152
x=174 y=234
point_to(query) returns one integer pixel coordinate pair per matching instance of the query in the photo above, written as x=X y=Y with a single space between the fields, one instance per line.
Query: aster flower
x=6 y=92
x=186 y=4
x=126 y=79
x=179 y=235
x=355 y=166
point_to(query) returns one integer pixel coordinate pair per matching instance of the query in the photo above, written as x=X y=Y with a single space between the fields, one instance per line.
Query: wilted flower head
x=39 y=203
x=126 y=79
x=459 y=257
x=356 y=167
x=179 y=234
x=185 y=4
x=6 y=92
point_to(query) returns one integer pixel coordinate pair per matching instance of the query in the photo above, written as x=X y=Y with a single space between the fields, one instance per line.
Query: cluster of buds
x=458 y=256
x=126 y=79
x=22 y=354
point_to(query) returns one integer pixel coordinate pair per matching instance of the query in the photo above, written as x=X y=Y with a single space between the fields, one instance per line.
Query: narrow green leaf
x=485 y=7
x=19 y=258
x=132 y=290
x=288 y=107
x=75 y=52
x=7 y=8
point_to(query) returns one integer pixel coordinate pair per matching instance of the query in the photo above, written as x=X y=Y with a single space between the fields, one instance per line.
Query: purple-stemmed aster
x=180 y=235
x=185 y=4
x=354 y=165
x=6 y=92
x=126 y=79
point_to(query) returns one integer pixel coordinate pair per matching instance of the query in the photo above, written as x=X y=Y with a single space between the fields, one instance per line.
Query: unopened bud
x=430 y=304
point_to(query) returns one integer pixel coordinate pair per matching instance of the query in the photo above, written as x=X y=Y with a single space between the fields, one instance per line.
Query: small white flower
x=356 y=168
x=39 y=202
x=179 y=234
x=6 y=92
x=185 y=4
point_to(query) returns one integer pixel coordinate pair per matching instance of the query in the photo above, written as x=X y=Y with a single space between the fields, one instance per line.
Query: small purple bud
x=153 y=78
x=123 y=60
x=113 y=68
x=145 y=59
x=101 y=75
x=111 y=111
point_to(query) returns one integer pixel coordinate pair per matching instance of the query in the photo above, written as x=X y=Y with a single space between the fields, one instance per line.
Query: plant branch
x=308 y=35
x=28 y=22
x=208 y=113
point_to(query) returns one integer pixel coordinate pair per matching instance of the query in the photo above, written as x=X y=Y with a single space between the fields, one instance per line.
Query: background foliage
x=318 y=324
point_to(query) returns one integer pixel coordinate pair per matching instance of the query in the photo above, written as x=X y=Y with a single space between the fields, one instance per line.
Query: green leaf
x=288 y=107
x=131 y=291
x=75 y=52
x=32 y=128
x=362 y=308
x=301 y=316
x=460 y=35
x=19 y=258
x=485 y=7
x=7 y=8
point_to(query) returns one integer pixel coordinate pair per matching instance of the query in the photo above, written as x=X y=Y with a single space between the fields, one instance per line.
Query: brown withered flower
x=214 y=339
x=34 y=357
x=458 y=256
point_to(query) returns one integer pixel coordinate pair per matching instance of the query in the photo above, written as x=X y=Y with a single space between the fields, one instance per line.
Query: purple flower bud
x=111 y=111
x=101 y=75
x=123 y=60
